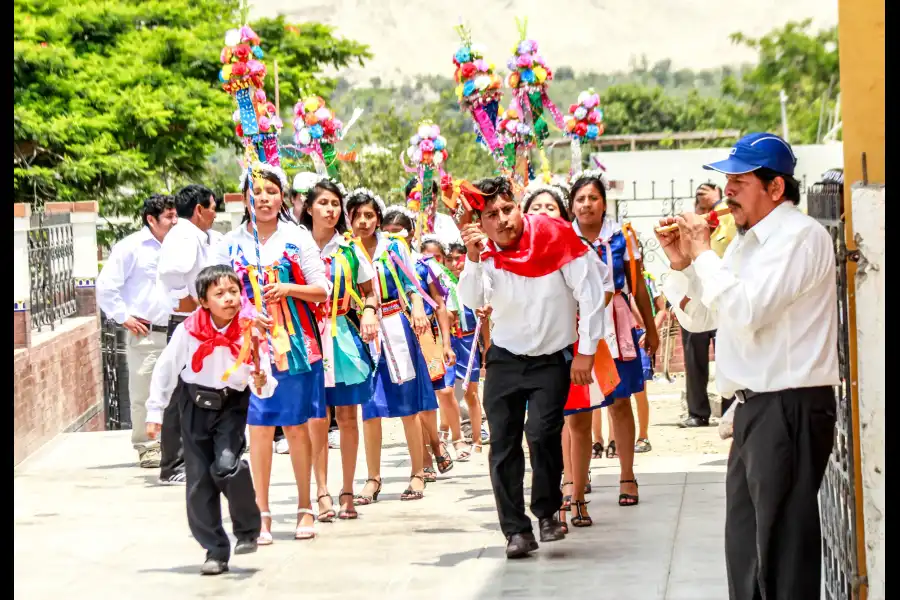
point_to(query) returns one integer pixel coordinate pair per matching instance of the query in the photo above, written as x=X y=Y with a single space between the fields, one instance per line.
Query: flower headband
x=366 y=193
x=397 y=208
x=554 y=190
x=263 y=167
x=593 y=174
x=433 y=238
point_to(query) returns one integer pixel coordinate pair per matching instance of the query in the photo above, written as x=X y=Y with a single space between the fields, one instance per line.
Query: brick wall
x=58 y=385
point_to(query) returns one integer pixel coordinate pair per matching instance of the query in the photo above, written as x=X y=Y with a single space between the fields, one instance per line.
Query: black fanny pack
x=211 y=398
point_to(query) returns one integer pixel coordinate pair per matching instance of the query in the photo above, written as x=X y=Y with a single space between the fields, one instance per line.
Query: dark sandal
x=580 y=520
x=597 y=450
x=564 y=509
x=444 y=462
x=430 y=475
x=363 y=500
x=347 y=514
x=642 y=445
x=411 y=494
x=329 y=515
x=628 y=499
x=611 y=450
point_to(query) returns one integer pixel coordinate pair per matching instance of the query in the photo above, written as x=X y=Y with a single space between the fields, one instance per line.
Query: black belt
x=176 y=319
x=151 y=327
x=226 y=392
x=744 y=395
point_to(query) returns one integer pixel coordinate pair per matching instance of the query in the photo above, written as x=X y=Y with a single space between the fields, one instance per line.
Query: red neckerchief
x=200 y=325
x=547 y=244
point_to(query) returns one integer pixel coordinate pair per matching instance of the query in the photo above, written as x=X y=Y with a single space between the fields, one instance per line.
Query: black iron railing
x=51 y=255
x=116 y=402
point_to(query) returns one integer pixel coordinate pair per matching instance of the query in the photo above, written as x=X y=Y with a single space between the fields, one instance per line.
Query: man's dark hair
x=213 y=274
x=457 y=247
x=398 y=218
x=492 y=188
x=311 y=196
x=188 y=197
x=156 y=205
x=791 y=185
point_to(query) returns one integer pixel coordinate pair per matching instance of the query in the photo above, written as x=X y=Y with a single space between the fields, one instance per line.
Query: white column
x=234 y=208
x=84 y=243
x=21 y=276
x=868 y=229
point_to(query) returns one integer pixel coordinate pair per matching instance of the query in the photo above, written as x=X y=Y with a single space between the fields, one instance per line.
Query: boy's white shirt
x=175 y=362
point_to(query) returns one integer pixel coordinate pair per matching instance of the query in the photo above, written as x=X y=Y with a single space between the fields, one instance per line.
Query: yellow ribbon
x=242 y=355
x=629 y=233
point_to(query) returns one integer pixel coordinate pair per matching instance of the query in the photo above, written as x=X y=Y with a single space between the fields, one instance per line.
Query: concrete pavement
x=90 y=524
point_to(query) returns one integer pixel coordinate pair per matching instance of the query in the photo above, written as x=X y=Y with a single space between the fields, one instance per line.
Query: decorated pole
x=584 y=122
x=316 y=132
x=427 y=152
x=478 y=90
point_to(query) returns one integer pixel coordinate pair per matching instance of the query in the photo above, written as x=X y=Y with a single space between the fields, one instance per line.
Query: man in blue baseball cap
x=773 y=299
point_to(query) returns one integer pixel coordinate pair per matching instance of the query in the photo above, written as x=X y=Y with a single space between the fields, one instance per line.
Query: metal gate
x=837 y=498
x=116 y=402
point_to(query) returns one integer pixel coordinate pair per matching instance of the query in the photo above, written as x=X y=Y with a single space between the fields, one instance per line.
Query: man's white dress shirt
x=126 y=287
x=175 y=361
x=773 y=299
x=535 y=316
x=183 y=255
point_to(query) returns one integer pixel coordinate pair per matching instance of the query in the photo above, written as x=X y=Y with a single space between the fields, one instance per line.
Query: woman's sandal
x=347 y=514
x=329 y=515
x=597 y=450
x=410 y=493
x=444 y=462
x=581 y=520
x=611 y=450
x=628 y=499
x=305 y=532
x=265 y=537
x=363 y=500
x=430 y=475
x=642 y=445
x=565 y=508
x=464 y=455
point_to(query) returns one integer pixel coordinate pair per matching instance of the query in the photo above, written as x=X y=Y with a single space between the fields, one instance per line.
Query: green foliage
x=802 y=64
x=115 y=98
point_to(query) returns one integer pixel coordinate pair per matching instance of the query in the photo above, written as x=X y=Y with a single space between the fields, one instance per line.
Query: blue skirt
x=462 y=347
x=631 y=374
x=446 y=381
x=349 y=395
x=297 y=399
x=391 y=400
x=646 y=365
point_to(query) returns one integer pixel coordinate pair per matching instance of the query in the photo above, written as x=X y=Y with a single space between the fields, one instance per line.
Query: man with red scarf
x=536 y=273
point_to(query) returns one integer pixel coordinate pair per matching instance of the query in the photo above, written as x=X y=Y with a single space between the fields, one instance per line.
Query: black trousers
x=213 y=444
x=773 y=544
x=511 y=383
x=171 y=460
x=696 y=367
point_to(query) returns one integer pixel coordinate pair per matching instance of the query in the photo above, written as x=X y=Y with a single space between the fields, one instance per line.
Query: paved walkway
x=90 y=524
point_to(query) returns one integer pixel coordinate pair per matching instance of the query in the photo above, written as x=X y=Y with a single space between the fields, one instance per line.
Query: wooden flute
x=719 y=212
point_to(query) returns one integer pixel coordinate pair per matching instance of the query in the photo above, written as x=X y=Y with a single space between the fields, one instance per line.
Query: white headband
x=433 y=238
x=266 y=168
x=399 y=208
x=367 y=193
x=554 y=190
x=593 y=173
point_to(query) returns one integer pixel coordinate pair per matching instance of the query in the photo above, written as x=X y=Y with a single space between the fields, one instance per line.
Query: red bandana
x=200 y=325
x=546 y=245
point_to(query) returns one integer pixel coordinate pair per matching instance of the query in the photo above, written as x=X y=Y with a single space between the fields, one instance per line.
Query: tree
x=117 y=97
x=803 y=64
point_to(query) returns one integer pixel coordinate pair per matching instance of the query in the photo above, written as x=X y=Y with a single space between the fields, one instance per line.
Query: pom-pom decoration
x=316 y=131
x=519 y=140
x=583 y=123
x=425 y=157
x=478 y=88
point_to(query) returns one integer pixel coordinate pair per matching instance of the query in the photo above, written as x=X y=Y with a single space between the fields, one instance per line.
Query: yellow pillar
x=861 y=42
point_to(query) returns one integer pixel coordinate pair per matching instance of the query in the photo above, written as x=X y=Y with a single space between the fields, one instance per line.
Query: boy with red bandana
x=213 y=355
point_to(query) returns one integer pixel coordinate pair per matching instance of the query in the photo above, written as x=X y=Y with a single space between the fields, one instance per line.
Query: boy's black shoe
x=551 y=529
x=214 y=567
x=520 y=545
x=245 y=547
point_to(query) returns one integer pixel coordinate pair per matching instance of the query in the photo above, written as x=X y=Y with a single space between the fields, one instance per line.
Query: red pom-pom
x=239 y=130
x=573 y=108
x=270 y=108
x=713 y=219
x=239 y=69
x=580 y=129
x=242 y=52
x=468 y=70
x=328 y=127
x=446 y=181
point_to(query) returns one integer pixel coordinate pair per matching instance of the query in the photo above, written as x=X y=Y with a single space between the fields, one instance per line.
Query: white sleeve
x=311 y=261
x=177 y=260
x=111 y=280
x=584 y=276
x=220 y=254
x=168 y=368
x=694 y=317
x=365 y=272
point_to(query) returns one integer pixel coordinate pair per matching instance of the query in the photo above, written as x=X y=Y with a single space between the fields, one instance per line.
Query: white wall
x=868 y=225
x=635 y=172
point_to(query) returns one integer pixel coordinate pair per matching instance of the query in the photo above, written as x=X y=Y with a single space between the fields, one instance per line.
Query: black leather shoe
x=245 y=547
x=551 y=529
x=214 y=567
x=519 y=545
x=694 y=422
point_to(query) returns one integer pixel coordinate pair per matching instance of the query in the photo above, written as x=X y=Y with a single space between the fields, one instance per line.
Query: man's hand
x=582 y=369
x=694 y=229
x=153 y=430
x=262 y=323
x=135 y=327
x=449 y=356
x=473 y=237
x=484 y=312
x=259 y=380
x=674 y=245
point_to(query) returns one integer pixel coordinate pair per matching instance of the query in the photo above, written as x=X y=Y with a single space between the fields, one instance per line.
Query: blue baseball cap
x=755 y=151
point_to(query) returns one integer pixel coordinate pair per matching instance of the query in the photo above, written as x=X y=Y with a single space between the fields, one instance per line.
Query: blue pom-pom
x=592 y=131
x=257 y=52
x=438 y=144
x=468 y=88
x=463 y=55
x=528 y=76
x=316 y=131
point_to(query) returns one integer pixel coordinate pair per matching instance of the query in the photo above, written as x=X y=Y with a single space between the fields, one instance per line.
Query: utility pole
x=784 y=122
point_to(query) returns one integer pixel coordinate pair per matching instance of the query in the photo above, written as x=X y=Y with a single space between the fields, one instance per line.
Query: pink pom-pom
x=298 y=109
x=277 y=122
x=338 y=124
x=263 y=123
x=481 y=65
x=525 y=61
x=256 y=68
x=260 y=96
x=426 y=146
